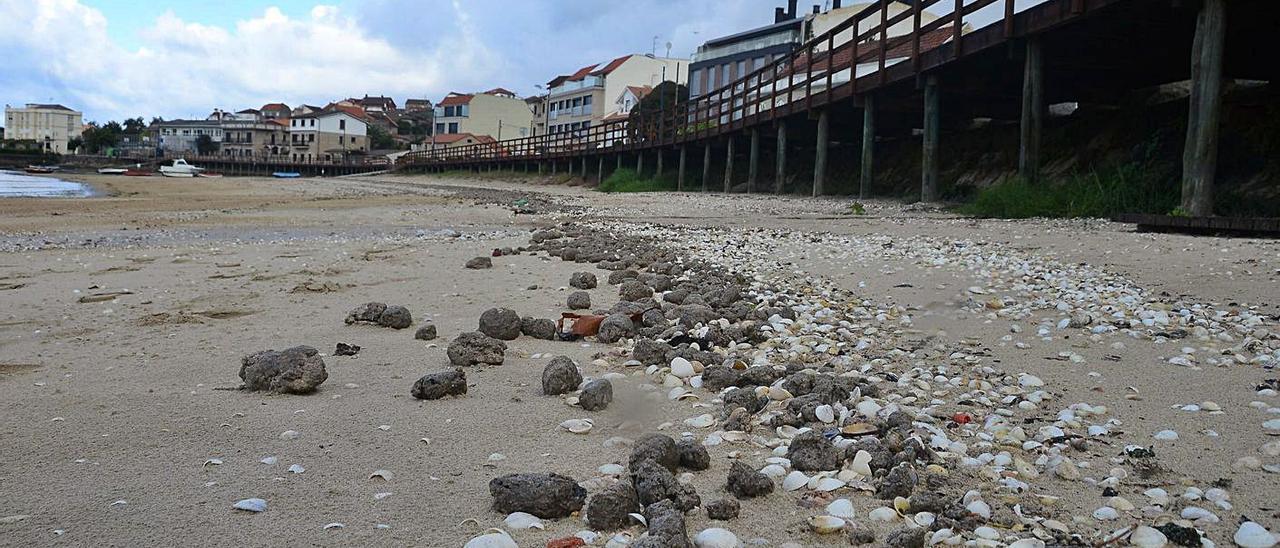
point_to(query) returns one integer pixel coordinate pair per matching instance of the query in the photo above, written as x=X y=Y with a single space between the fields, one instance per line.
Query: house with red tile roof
x=332 y=134
x=587 y=96
x=497 y=113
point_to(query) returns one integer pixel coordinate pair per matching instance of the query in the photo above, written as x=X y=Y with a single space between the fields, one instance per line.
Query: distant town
x=377 y=127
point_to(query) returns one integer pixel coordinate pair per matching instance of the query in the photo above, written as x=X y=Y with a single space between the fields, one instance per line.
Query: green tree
x=205 y=145
x=379 y=139
x=134 y=125
x=98 y=139
x=648 y=112
x=74 y=143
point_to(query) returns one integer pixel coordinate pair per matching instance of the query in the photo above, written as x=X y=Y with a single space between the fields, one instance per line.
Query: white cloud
x=187 y=69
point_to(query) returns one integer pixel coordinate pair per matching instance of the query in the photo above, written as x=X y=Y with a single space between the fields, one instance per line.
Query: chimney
x=779 y=15
x=791 y=8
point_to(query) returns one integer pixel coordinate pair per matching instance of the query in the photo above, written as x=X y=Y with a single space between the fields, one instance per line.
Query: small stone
x=473 y=347
x=426 y=333
x=615 y=327
x=596 y=395
x=723 y=509
x=561 y=376
x=367 y=312
x=1252 y=535
x=653 y=482
x=635 y=291
x=618 y=276
x=906 y=537
x=344 y=349
x=899 y=482
x=744 y=482
x=395 y=317
x=693 y=455
x=582 y=280
x=544 y=495
x=610 y=509
x=438 y=385
x=657 y=447
x=538 y=328
x=812 y=452
x=500 y=323
x=579 y=300
x=297 y=370
x=666 y=524
x=479 y=263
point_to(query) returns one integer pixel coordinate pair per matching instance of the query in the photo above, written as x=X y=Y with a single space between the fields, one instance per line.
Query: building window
x=742 y=68
x=453 y=127
x=313 y=122
x=439 y=129
x=586 y=105
x=342 y=124
x=711 y=79
x=695 y=83
x=725 y=77
x=464 y=110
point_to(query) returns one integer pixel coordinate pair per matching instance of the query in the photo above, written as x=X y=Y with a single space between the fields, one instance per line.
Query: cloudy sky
x=179 y=58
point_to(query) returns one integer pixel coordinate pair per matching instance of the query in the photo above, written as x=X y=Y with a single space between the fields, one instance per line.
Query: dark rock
x=582 y=280
x=746 y=483
x=690 y=315
x=579 y=300
x=693 y=455
x=473 y=347
x=344 y=349
x=657 y=447
x=738 y=419
x=899 y=482
x=596 y=395
x=297 y=370
x=927 y=500
x=675 y=296
x=881 y=457
x=659 y=282
x=898 y=419
x=395 y=317
x=439 y=385
x=651 y=352
x=561 y=376
x=762 y=375
x=859 y=536
x=723 y=509
x=685 y=497
x=618 y=276
x=500 y=323
x=666 y=524
x=479 y=263
x=654 y=317
x=653 y=481
x=547 y=496
x=718 y=377
x=367 y=312
x=538 y=328
x=426 y=333
x=745 y=398
x=615 y=327
x=633 y=291
x=608 y=510
x=811 y=452
x=906 y=537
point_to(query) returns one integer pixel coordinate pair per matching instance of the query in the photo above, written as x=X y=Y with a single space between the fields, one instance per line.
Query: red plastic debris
x=566 y=542
x=962 y=418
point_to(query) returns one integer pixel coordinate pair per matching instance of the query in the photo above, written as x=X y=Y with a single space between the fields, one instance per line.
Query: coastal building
x=180 y=137
x=49 y=126
x=272 y=111
x=497 y=112
x=538 y=107
x=587 y=96
x=263 y=139
x=417 y=105
x=330 y=135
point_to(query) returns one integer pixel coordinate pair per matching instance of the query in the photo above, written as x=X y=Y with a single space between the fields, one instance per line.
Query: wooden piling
x=728 y=166
x=868 y=144
x=680 y=169
x=706 y=164
x=932 y=123
x=753 y=160
x=780 y=163
x=820 y=154
x=1032 y=112
x=1200 y=155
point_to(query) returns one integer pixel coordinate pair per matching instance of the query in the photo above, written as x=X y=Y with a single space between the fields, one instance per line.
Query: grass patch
x=626 y=180
x=1131 y=188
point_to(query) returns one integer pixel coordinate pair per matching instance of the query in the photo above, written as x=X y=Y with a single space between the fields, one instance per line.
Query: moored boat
x=136 y=173
x=112 y=170
x=41 y=169
x=180 y=168
x=286 y=175
x=209 y=175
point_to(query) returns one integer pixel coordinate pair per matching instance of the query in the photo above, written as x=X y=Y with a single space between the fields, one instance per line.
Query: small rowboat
x=180 y=174
x=286 y=175
x=136 y=173
x=209 y=175
x=41 y=169
x=112 y=170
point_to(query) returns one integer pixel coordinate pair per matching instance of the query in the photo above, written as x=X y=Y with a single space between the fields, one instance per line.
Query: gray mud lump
x=479 y=263
x=747 y=483
x=614 y=327
x=396 y=317
x=297 y=370
x=609 y=509
x=579 y=300
x=500 y=323
x=426 y=333
x=538 y=328
x=547 y=496
x=560 y=376
x=473 y=347
x=658 y=447
x=438 y=385
x=583 y=280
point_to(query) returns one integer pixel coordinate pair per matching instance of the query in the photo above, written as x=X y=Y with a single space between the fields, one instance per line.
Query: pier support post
x=780 y=167
x=540 y=168
x=1200 y=155
x=932 y=121
x=584 y=168
x=658 y=173
x=553 y=167
x=820 y=155
x=868 y=144
x=680 y=170
x=599 y=170
x=639 y=163
x=706 y=164
x=728 y=166
x=618 y=157
x=753 y=161
x=1032 y=112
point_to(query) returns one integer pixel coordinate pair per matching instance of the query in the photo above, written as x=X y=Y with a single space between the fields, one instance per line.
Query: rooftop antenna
x=668 y=49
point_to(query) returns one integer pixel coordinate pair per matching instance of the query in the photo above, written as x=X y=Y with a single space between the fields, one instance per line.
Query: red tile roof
x=279 y=121
x=582 y=73
x=612 y=65
x=446 y=138
x=275 y=106
x=640 y=91
x=455 y=99
x=500 y=91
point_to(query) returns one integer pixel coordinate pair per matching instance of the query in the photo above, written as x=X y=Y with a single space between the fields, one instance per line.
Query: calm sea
x=14 y=184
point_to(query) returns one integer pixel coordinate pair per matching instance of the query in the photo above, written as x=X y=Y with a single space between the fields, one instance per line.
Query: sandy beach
x=125 y=318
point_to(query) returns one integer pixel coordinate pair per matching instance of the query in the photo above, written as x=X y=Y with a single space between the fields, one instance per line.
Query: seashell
x=716 y=537
x=1148 y=537
x=334 y=525
x=639 y=518
x=859 y=429
x=861 y=463
x=290 y=435
x=578 y=426
x=493 y=538
x=1105 y=513
x=794 y=480
x=825 y=525
x=296 y=468
x=841 y=508
x=825 y=413
x=1252 y=535
x=774 y=471
x=619 y=540
x=380 y=496
x=521 y=520
x=778 y=393
x=212 y=462
x=384 y=474
x=980 y=508
x=901 y=505
x=1120 y=503
x=1166 y=435
x=735 y=436
x=883 y=513
x=924 y=519
x=828 y=484
x=681 y=367
x=269 y=460
x=701 y=421
x=611 y=469
x=868 y=408
x=251 y=505
x=496 y=457
x=1027 y=543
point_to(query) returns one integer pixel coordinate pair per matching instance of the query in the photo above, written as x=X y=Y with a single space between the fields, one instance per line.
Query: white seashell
x=868 y=408
x=701 y=421
x=716 y=537
x=979 y=507
x=735 y=436
x=987 y=533
x=883 y=513
x=1028 y=543
x=1105 y=513
x=611 y=469
x=794 y=480
x=269 y=460
x=1196 y=512
x=1166 y=435
x=681 y=367
x=578 y=426
x=494 y=538
x=841 y=508
x=1272 y=427
x=380 y=496
x=778 y=393
x=297 y=468
x=384 y=474
x=334 y=525
x=828 y=484
x=1253 y=535
x=924 y=519
x=1148 y=537
x=619 y=540
x=824 y=525
x=774 y=471
x=639 y=518
x=213 y=462
x=521 y=520
x=862 y=463
x=825 y=413
x=496 y=457
x=251 y=505
x=290 y=435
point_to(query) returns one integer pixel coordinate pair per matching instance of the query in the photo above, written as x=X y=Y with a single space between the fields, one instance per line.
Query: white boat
x=112 y=170
x=180 y=168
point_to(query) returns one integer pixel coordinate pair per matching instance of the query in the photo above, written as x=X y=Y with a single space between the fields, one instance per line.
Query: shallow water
x=15 y=184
